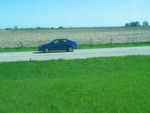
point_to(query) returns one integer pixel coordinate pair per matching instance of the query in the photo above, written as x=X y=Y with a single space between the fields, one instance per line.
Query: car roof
x=61 y=39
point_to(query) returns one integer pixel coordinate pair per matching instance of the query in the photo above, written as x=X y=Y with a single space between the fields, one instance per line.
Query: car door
x=64 y=44
x=57 y=44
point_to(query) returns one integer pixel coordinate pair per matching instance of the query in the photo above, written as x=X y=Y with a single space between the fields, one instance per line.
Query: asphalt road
x=77 y=54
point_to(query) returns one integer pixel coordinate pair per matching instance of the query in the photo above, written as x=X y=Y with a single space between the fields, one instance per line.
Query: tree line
x=17 y=28
x=137 y=24
x=130 y=24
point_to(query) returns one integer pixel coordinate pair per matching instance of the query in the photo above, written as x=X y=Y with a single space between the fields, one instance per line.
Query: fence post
x=127 y=40
x=111 y=41
x=21 y=44
x=91 y=40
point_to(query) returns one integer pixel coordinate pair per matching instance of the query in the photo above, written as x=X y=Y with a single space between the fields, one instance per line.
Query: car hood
x=43 y=45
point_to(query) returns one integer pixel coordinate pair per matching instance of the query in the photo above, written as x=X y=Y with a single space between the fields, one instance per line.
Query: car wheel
x=46 y=50
x=70 y=49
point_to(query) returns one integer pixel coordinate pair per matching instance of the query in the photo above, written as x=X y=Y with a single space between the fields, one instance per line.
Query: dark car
x=58 y=44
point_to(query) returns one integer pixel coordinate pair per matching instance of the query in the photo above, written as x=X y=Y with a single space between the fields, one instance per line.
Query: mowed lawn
x=95 y=85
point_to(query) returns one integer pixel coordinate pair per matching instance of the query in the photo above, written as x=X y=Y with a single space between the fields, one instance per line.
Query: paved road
x=77 y=54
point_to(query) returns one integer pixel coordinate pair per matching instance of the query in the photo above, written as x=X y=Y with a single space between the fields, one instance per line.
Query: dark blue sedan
x=58 y=44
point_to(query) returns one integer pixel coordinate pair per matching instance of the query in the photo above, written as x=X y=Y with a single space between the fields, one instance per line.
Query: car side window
x=64 y=41
x=56 y=41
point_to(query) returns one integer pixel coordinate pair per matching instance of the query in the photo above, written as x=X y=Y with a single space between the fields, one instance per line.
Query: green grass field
x=85 y=46
x=95 y=85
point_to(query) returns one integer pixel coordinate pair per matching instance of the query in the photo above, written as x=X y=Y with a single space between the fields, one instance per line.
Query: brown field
x=34 y=37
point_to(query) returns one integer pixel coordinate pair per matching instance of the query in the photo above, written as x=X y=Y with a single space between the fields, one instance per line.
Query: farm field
x=95 y=85
x=34 y=37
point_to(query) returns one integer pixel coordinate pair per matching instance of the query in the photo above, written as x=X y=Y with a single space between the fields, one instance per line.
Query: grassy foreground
x=85 y=46
x=95 y=85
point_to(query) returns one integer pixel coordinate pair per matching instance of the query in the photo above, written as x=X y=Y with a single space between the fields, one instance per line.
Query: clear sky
x=72 y=13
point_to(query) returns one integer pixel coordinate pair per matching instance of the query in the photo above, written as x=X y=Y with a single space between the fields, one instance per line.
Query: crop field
x=34 y=37
x=95 y=85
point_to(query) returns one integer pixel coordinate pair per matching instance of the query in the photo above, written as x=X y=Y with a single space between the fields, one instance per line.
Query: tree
x=145 y=23
x=38 y=28
x=15 y=27
x=8 y=28
x=133 y=24
x=127 y=25
x=60 y=27
x=137 y=24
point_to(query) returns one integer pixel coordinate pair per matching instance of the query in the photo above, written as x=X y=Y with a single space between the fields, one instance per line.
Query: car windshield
x=51 y=41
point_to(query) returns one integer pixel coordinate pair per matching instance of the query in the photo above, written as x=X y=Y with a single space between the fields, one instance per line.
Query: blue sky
x=72 y=13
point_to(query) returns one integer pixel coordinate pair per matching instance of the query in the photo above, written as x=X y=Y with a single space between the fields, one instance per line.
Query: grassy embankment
x=88 y=46
x=96 y=85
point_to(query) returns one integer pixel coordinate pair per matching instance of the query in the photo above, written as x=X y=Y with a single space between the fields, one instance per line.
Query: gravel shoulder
x=77 y=54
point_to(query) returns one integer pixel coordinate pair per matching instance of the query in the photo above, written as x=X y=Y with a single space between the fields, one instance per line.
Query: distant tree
x=137 y=24
x=38 y=27
x=60 y=27
x=8 y=28
x=15 y=27
x=133 y=24
x=145 y=23
x=127 y=25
